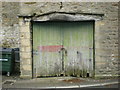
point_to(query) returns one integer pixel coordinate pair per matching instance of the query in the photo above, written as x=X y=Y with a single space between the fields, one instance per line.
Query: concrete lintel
x=67 y=17
x=64 y=16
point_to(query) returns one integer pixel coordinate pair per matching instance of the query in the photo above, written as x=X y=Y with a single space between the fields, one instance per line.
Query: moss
x=30 y=3
x=5 y=44
x=106 y=77
x=8 y=42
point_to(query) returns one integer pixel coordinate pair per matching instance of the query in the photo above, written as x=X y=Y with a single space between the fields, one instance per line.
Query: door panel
x=46 y=46
x=78 y=41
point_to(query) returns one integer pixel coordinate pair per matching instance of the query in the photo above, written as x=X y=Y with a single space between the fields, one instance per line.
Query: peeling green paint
x=76 y=38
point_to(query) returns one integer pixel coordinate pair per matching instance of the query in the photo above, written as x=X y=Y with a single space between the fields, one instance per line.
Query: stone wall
x=10 y=26
x=25 y=49
x=119 y=36
x=1 y=37
x=9 y=31
x=106 y=30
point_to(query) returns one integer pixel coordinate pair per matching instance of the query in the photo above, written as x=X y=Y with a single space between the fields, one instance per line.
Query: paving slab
x=57 y=82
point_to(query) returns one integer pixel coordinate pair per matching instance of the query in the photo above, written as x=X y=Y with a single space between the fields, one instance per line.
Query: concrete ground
x=58 y=82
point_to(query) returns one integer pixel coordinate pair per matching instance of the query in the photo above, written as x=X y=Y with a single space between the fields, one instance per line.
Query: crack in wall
x=61 y=5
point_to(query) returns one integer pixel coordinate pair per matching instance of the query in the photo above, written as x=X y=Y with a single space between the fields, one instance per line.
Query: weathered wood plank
x=77 y=40
x=47 y=42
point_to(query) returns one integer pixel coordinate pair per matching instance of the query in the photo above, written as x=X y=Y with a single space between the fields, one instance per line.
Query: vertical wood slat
x=47 y=63
x=76 y=37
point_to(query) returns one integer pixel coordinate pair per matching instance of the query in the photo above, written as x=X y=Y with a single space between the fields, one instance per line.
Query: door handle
x=64 y=51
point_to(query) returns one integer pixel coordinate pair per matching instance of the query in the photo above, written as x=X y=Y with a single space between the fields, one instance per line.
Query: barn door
x=63 y=48
x=78 y=46
x=46 y=49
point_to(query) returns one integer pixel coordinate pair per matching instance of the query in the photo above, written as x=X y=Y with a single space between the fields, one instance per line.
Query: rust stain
x=115 y=56
x=51 y=48
x=73 y=80
x=109 y=85
x=115 y=4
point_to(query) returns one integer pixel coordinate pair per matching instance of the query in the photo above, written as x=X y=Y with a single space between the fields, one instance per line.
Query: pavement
x=58 y=82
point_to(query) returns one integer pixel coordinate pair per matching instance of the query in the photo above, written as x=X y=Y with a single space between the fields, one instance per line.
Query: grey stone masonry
x=106 y=31
x=25 y=49
x=10 y=26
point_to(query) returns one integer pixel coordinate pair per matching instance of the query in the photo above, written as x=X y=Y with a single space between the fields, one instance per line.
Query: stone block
x=25 y=29
x=25 y=42
x=21 y=23
x=27 y=67
x=25 y=55
x=28 y=49
x=27 y=35
x=22 y=49
x=27 y=74
x=25 y=61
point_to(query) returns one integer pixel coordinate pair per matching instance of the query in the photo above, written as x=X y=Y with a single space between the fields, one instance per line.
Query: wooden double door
x=63 y=48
